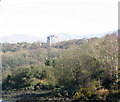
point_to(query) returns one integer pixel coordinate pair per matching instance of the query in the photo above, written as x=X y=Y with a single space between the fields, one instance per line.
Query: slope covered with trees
x=85 y=69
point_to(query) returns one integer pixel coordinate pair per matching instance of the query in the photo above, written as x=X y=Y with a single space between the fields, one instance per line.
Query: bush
x=34 y=76
x=114 y=95
x=85 y=94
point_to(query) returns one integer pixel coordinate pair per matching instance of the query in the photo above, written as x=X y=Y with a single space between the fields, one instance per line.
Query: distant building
x=51 y=40
x=50 y=44
x=40 y=43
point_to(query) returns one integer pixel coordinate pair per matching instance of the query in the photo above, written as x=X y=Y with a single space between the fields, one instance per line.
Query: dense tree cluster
x=84 y=69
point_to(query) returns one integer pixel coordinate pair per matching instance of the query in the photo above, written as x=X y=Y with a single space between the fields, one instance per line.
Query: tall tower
x=51 y=40
x=50 y=43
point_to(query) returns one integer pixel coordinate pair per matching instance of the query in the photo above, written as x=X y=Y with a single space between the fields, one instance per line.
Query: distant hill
x=20 y=38
x=32 y=38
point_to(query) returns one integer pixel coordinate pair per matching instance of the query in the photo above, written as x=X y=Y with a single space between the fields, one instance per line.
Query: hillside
x=82 y=69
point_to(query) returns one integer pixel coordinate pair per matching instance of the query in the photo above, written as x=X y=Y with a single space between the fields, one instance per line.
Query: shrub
x=113 y=95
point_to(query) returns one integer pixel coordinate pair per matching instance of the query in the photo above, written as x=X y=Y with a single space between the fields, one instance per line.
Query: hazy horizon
x=44 y=17
x=43 y=38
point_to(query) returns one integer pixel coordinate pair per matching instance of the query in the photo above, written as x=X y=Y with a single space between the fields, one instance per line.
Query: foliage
x=30 y=77
x=86 y=69
x=85 y=94
x=114 y=95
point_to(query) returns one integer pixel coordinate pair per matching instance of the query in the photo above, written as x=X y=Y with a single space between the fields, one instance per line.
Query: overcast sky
x=44 y=17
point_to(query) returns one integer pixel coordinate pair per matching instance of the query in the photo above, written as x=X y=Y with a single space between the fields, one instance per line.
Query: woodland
x=78 y=69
